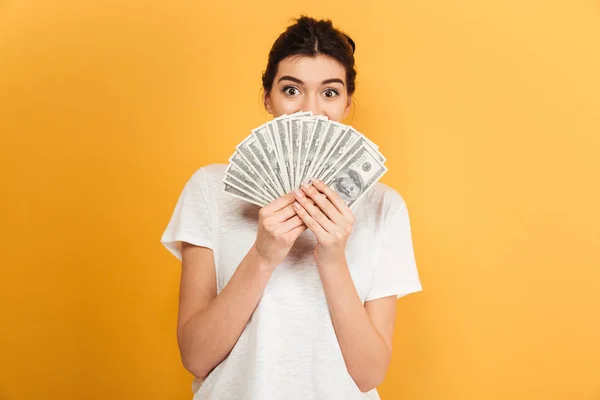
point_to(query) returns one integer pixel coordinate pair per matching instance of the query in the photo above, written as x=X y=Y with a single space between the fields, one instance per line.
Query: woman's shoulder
x=382 y=199
x=209 y=174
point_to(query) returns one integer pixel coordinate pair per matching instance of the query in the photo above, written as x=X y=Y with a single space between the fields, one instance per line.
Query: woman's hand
x=278 y=229
x=328 y=217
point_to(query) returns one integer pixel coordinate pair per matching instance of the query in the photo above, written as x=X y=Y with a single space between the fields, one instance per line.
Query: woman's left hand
x=329 y=218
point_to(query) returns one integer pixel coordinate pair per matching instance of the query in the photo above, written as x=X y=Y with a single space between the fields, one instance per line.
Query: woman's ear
x=267 y=103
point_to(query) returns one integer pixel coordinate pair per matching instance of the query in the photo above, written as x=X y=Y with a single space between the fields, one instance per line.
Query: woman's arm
x=363 y=332
x=210 y=325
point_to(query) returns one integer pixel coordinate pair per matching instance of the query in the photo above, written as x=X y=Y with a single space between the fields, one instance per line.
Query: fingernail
x=317 y=180
x=304 y=185
x=299 y=193
x=296 y=204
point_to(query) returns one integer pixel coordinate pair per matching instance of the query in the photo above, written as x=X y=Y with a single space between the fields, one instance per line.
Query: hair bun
x=351 y=43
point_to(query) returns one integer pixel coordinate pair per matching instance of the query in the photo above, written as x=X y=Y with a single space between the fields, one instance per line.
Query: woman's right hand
x=278 y=228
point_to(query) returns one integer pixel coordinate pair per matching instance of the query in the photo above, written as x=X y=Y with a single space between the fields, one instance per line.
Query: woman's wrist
x=332 y=261
x=259 y=261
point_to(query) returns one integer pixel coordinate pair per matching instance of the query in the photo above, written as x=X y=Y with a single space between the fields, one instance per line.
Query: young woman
x=295 y=300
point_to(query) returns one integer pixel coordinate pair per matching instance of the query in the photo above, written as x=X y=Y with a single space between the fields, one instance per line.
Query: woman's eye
x=331 y=93
x=290 y=91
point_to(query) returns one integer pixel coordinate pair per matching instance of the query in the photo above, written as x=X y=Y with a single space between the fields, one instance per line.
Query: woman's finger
x=324 y=204
x=277 y=205
x=334 y=198
x=284 y=214
x=310 y=222
x=297 y=231
x=291 y=223
x=314 y=211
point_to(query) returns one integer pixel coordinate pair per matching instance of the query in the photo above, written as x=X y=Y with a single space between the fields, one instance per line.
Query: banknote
x=269 y=151
x=316 y=137
x=250 y=149
x=239 y=185
x=340 y=148
x=238 y=160
x=330 y=134
x=306 y=128
x=275 y=139
x=342 y=160
x=241 y=195
x=245 y=182
x=284 y=155
x=357 y=175
x=295 y=138
x=293 y=129
x=277 y=156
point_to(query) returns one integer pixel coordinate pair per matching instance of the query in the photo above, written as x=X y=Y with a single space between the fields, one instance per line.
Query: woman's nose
x=312 y=105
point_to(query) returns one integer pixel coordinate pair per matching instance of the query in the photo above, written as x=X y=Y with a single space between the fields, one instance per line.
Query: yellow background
x=489 y=115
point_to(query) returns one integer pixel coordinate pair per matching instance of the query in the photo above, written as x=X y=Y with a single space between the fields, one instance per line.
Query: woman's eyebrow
x=335 y=80
x=290 y=78
x=298 y=81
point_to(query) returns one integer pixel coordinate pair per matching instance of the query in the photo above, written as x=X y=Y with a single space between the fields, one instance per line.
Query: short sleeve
x=396 y=270
x=191 y=220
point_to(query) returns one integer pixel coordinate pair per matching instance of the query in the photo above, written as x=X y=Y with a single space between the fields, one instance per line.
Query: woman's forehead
x=311 y=69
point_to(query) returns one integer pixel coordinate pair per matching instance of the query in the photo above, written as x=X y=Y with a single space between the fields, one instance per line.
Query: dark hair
x=311 y=37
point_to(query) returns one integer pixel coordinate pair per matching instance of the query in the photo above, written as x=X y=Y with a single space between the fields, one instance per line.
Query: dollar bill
x=341 y=147
x=295 y=138
x=274 y=136
x=241 y=195
x=359 y=143
x=281 y=137
x=233 y=182
x=278 y=155
x=306 y=129
x=250 y=171
x=269 y=151
x=250 y=149
x=358 y=174
x=313 y=143
x=245 y=183
x=373 y=145
x=331 y=132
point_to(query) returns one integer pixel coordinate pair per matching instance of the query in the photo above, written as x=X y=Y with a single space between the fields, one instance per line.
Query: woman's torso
x=289 y=349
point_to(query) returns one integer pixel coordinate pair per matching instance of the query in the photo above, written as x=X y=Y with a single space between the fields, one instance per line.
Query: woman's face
x=304 y=83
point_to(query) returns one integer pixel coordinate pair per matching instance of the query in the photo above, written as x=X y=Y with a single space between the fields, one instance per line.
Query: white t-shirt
x=289 y=350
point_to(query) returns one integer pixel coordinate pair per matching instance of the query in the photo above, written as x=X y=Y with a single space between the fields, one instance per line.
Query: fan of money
x=275 y=158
